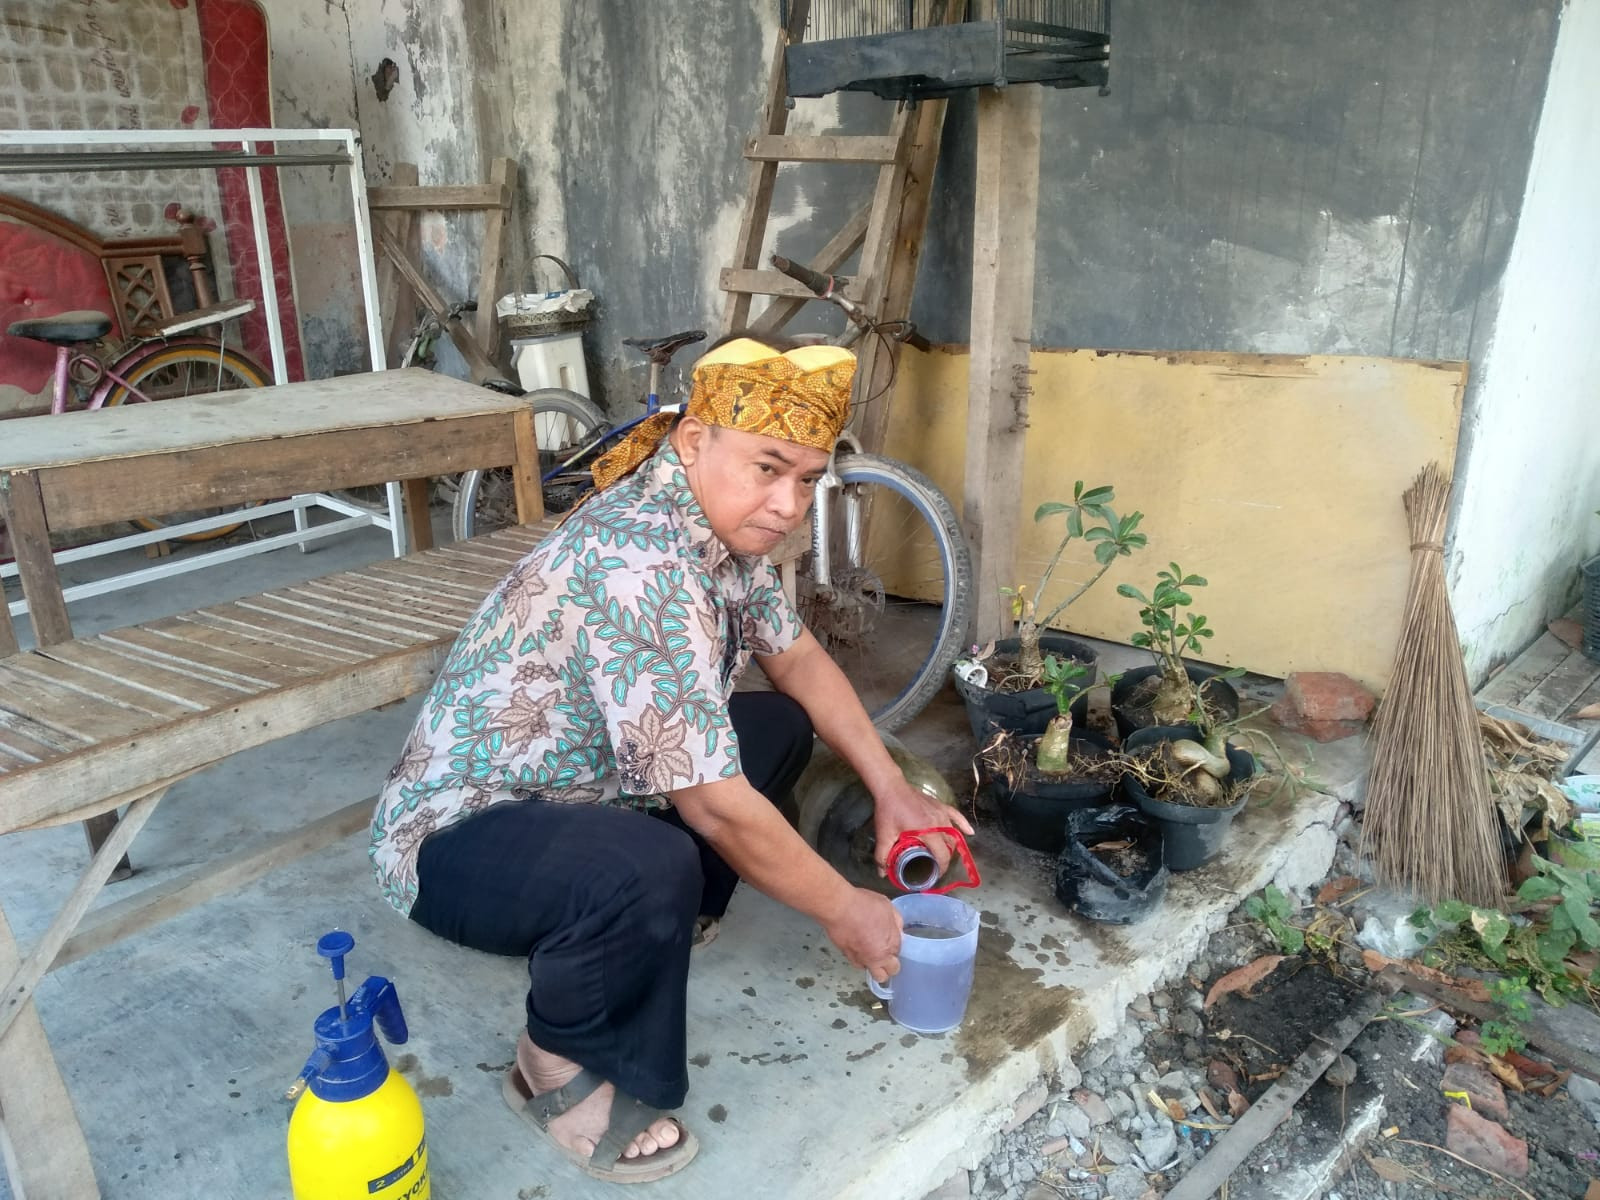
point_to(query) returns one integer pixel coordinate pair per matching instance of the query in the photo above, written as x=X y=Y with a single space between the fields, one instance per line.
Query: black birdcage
x=908 y=49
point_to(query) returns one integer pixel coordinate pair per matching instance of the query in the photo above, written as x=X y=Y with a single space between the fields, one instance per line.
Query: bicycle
x=886 y=544
x=171 y=359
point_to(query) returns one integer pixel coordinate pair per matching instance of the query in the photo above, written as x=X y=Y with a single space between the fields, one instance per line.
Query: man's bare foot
x=581 y=1127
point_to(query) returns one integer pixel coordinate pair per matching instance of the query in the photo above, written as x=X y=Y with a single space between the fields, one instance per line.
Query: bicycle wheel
x=902 y=586
x=196 y=368
x=564 y=421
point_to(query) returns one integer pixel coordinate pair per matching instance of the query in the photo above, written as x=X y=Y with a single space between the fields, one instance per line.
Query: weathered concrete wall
x=1530 y=457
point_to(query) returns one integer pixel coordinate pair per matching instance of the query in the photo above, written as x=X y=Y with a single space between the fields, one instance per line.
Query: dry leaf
x=1387 y=1168
x=1335 y=889
x=1465 y=1054
x=1222 y=1076
x=1505 y=1073
x=1244 y=978
x=1209 y=1103
x=1237 y=1105
x=1550 y=1089
x=1470 y=989
x=1528 y=1068
x=1567 y=630
x=1109 y=846
x=1589 y=712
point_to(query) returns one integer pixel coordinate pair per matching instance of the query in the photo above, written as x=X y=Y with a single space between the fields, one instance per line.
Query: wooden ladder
x=888 y=230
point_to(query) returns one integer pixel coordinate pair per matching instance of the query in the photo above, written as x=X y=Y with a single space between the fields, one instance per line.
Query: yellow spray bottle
x=356 y=1129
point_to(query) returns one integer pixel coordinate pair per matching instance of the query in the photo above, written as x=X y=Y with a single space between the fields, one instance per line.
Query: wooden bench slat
x=274 y=607
x=68 y=711
x=10 y=762
x=194 y=658
x=267 y=628
x=495 y=559
x=189 y=628
x=442 y=614
x=396 y=627
x=168 y=678
x=28 y=740
x=100 y=686
x=421 y=581
x=265 y=670
x=481 y=583
x=446 y=615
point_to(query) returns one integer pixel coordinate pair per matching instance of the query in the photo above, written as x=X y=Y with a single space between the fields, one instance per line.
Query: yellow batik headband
x=801 y=395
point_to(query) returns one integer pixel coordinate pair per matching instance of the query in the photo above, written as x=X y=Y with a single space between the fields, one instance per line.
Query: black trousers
x=602 y=901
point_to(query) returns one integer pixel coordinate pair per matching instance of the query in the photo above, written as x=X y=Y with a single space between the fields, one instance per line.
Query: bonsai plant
x=1006 y=693
x=1172 y=692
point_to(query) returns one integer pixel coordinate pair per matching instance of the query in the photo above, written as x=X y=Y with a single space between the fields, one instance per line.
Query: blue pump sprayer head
x=348 y=1062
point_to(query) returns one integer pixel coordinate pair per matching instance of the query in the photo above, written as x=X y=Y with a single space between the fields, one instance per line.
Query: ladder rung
x=822 y=147
x=770 y=283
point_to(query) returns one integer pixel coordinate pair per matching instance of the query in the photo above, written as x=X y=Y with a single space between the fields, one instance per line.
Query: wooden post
x=419 y=524
x=1005 y=215
x=492 y=260
x=525 y=470
x=397 y=303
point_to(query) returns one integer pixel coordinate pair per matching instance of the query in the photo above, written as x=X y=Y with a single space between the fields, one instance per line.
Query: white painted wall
x=1529 y=467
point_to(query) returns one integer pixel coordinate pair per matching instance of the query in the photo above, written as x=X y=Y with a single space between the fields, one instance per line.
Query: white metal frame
x=354 y=517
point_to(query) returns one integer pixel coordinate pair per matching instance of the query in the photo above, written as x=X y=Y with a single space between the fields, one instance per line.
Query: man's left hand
x=899 y=807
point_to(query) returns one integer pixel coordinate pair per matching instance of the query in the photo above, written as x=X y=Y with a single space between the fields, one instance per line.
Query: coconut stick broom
x=1430 y=825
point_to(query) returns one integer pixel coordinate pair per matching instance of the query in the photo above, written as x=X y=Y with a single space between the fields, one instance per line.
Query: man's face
x=755 y=490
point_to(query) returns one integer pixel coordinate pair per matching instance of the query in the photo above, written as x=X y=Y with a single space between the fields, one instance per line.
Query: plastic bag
x=1089 y=886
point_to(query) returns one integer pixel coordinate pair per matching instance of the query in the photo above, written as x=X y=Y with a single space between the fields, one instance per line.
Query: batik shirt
x=597 y=671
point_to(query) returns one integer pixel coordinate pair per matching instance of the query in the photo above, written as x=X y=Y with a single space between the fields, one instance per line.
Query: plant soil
x=1123 y=857
x=1143 y=696
x=1164 y=780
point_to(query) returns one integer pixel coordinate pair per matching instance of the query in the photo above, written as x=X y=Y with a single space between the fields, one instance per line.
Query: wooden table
x=86 y=468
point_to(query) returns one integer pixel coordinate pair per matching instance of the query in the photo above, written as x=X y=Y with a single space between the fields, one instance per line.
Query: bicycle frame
x=107 y=374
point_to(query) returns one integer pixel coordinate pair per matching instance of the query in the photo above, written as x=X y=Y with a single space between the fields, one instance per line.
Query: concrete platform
x=178 y=1043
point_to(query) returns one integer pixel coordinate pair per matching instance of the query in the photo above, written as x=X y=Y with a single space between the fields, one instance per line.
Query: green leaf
x=1131 y=592
x=1291 y=940
x=1490 y=926
x=1049 y=509
x=1098 y=533
x=1194 y=581
x=1451 y=912
x=1583 y=923
x=1095 y=496
x=1105 y=552
x=1075 y=523
x=1554 y=945
x=1538 y=888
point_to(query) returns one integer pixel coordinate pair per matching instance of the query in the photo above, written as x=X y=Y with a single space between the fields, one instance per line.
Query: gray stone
x=1142 y=1009
x=1075 y=1121
x=1118 y=1103
x=1159 y=1145
x=1162 y=999
x=1096 y=1055
x=1190 y=1102
x=1099 y=1111
x=1586 y=1092
x=1115 y=1149
x=957 y=1187
x=1127 y=1079
x=1148 y=1074
x=1126 y=1183
x=1176 y=1080
x=1187 y=1023
x=1200 y=968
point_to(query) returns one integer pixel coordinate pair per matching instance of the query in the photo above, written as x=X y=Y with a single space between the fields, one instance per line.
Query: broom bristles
x=1430 y=825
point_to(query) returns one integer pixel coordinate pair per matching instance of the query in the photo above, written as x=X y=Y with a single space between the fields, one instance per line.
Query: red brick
x=1285 y=715
x=1488 y=1097
x=1485 y=1143
x=1328 y=696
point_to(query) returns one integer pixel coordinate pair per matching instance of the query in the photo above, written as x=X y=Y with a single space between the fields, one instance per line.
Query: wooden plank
x=430 y=582
x=419 y=525
x=212 y=476
x=22 y=508
x=384 y=609
x=197 y=627
x=181 y=892
x=366 y=400
x=178 y=681
x=525 y=469
x=27 y=739
x=828 y=260
x=478 y=364
x=8 y=632
x=1561 y=687
x=65 y=710
x=397 y=303
x=265 y=625
x=763 y=176
x=242 y=676
x=769 y=283
x=492 y=258
x=447 y=612
x=822 y=148
x=495 y=194
x=1512 y=684
x=1005 y=214
x=244 y=658
x=34 y=797
x=284 y=609
x=16 y=991
x=48 y=1156
x=40 y=665
x=318 y=601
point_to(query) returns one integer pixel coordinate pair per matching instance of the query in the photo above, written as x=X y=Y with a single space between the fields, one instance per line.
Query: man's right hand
x=867 y=932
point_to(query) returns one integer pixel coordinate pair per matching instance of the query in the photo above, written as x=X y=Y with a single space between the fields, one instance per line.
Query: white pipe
x=269 y=279
x=141 y=137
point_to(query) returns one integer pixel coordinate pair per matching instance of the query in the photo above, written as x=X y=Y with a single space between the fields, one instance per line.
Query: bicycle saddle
x=660 y=350
x=63 y=329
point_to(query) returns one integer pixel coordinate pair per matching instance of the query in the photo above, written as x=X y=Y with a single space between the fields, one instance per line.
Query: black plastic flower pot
x=1130 y=717
x=1028 y=712
x=1089 y=886
x=1035 y=813
x=1192 y=836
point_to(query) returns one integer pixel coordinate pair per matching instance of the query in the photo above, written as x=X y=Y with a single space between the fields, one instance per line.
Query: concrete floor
x=178 y=1043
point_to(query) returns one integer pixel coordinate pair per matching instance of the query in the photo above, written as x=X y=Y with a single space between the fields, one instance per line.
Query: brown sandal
x=629 y=1118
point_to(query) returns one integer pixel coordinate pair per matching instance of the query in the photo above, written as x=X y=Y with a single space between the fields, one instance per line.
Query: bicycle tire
x=486 y=499
x=909 y=516
x=160 y=376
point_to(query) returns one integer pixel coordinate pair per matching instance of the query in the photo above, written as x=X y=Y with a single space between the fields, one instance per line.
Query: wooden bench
x=89 y=725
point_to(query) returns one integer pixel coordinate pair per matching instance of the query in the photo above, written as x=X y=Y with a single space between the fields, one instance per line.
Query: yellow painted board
x=1276 y=477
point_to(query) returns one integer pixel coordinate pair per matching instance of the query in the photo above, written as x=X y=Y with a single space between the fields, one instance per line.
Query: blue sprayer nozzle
x=348 y=1062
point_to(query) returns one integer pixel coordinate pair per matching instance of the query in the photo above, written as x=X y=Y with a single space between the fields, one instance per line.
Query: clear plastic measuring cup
x=938 y=947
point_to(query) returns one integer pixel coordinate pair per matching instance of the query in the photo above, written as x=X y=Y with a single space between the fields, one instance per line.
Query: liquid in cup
x=938 y=946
